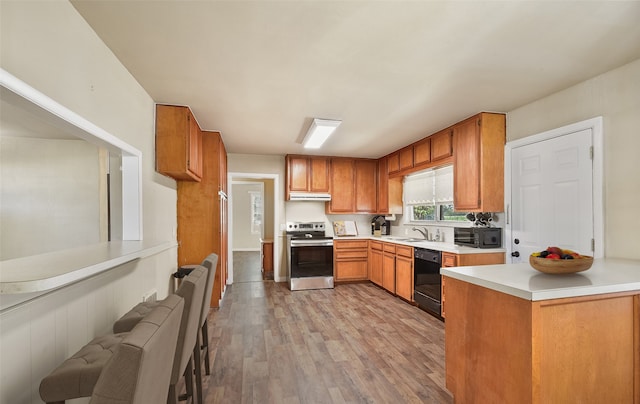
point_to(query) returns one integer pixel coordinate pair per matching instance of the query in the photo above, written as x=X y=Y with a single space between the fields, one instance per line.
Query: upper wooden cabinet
x=478 y=163
x=307 y=174
x=422 y=152
x=441 y=144
x=353 y=186
x=406 y=158
x=393 y=163
x=178 y=143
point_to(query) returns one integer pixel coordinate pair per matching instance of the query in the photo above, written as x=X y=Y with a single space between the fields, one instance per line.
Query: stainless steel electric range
x=309 y=256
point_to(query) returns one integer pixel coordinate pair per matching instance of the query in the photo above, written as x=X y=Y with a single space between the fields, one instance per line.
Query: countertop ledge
x=606 y=275
x=40 y=273
x=432 y=245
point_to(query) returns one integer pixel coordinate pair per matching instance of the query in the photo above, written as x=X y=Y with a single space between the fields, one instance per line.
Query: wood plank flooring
x=352 y=344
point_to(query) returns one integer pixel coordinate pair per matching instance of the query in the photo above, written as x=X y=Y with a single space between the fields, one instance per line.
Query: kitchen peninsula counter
x=432 y=245
x=513 y=334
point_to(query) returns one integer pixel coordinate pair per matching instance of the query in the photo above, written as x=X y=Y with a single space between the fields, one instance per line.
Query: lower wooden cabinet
x=350 y=260
x=389 y=267
x=404 y=272
x=459 y=260
x=375 y=262
x=266 y=247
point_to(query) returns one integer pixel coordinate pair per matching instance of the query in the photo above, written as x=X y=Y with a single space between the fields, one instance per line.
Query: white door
x=552 y=195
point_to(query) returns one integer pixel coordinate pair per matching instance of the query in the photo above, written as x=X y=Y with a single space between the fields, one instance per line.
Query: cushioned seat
x=140 y=369
x=77 y=376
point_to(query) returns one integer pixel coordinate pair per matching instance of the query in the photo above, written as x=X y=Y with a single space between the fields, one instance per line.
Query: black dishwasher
x=427 y=280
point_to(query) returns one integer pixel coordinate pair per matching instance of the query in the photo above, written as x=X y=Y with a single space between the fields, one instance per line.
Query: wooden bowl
x=549 y=266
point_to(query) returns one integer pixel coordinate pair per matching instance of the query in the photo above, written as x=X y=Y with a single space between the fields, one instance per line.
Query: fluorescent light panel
x=319 y=131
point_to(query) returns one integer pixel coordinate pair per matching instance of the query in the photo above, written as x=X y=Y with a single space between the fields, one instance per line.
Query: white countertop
x=432 y=245
x=606 y=275
x=49 y=271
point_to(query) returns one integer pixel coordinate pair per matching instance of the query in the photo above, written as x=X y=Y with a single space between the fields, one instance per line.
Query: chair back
x=211 y=263
x=140 y=368
x=192 y=290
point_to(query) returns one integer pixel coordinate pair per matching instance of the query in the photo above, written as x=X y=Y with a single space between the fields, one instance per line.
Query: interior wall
x=243 y=238
x=50 y=195
x=615 y=96
x=48 y=45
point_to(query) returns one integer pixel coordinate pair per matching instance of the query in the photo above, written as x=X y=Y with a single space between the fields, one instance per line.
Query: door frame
x=277 y=192
x=596 y=127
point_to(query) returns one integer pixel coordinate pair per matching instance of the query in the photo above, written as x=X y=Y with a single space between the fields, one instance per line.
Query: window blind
x=429 y=187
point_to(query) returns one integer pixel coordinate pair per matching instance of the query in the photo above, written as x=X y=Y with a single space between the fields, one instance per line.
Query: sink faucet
x=425 y=232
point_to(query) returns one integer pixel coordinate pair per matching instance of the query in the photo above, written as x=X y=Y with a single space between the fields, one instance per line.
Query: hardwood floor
x=352 y=344
x=246 y=266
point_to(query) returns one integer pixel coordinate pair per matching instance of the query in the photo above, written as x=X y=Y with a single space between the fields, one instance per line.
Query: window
x=428 y=196
x=256 y=212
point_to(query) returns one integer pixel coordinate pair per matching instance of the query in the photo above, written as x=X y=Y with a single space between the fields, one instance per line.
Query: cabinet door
x=406 y=158
x=404 y=277
x=342 y=186
x=393 y=163
x=298 y=173
x=441 y=145
x=366 y=186
x=466 y=166
x=195 y=147
x=178 y=143
x=383 y=186
x=375 y=266
x=319 y=174
x=422 y=152
x=389 y=271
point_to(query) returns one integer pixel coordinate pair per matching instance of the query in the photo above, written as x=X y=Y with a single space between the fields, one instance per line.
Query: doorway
x=553 y=191
x=252 y=221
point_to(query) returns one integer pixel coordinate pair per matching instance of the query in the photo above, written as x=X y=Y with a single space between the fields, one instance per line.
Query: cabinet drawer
x=350 y=244
x=376 y=245
x=449 y=260
x=389 y=247
x=404 y=251
x=351 y=254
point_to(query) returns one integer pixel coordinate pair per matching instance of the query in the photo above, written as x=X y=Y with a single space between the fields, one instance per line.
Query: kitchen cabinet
x=307 y=174
x=350 y=260
x=266 y=255
x=178 y=143
x=406 y=158
x=366 y=176
x=375 y=262
x=404 y=272
x=389 y=267
x=422 y=152
x=478 y=163
x=461 y=260
x=441 y=144
x=582 y=349
x=202 y=212
x=389 y=190
x=353 y=185
x=393 y=163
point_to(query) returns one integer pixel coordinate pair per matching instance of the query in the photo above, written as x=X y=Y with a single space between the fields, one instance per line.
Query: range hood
x=308 y=196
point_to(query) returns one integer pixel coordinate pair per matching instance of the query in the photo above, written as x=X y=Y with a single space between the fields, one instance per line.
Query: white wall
x=615 y=96
x=50 y=195
x=49 y=46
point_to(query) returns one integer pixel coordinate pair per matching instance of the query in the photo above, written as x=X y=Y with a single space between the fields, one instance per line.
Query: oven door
x=428 y=285
x=310 y=264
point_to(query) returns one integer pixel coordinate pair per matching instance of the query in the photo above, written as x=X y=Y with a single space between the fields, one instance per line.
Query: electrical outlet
x=150 y=296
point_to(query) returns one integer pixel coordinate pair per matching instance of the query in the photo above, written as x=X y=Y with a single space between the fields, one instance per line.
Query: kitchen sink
x=407 y=239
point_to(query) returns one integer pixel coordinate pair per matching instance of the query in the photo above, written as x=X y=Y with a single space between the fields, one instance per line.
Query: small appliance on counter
x=380 y=226
x=482 y=235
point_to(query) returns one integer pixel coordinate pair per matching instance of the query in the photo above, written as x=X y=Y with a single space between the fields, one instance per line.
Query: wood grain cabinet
x=389 y=267
x=441 y=145
x=353 y=186
x=203 y=214
x=404 y=272
x=307 y=174
x=422 y=152
x=266 y=253
x=350 y=260
x=389 y=190
x=460 y=260
x=478 y=163
x=178 y=143
x=375 y=262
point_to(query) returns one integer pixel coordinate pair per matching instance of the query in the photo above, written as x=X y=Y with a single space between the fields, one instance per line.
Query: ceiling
x=392 y=71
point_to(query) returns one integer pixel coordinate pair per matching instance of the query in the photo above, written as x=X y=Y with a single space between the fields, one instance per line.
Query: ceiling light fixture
x=319 y=131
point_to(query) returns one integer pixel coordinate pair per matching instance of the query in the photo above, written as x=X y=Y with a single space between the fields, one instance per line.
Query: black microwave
x=478 y=237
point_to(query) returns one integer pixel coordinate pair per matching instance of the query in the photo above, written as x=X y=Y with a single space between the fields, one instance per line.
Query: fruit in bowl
x=555 y=260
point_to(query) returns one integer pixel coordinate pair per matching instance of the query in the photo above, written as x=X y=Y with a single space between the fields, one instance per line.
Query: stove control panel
x=305 y=226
